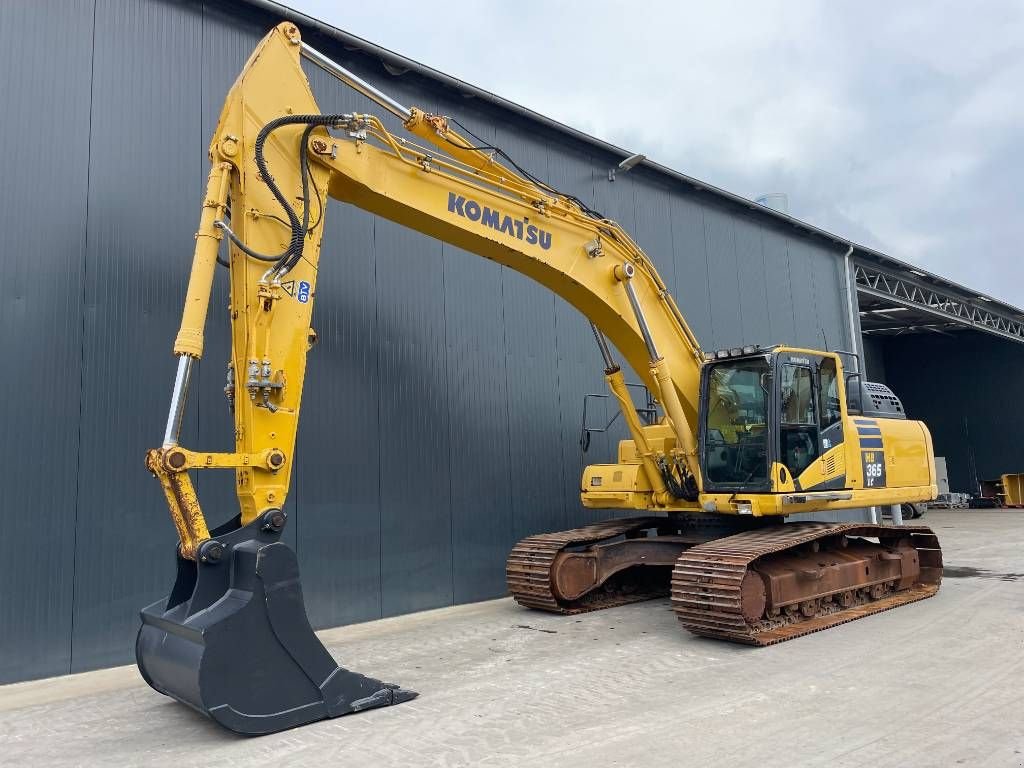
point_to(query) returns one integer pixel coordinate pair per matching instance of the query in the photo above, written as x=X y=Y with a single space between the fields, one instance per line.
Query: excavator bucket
x=233 y=642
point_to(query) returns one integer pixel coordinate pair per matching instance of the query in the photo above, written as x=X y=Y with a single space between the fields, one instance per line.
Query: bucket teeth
x=239 y=648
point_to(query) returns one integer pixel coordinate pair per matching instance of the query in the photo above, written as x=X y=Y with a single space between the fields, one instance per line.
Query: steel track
x=705 y=582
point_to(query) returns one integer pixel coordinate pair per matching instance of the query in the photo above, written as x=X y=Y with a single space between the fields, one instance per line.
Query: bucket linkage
x=233 y=641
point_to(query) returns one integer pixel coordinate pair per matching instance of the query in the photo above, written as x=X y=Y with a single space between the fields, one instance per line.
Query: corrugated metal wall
x=443 y=403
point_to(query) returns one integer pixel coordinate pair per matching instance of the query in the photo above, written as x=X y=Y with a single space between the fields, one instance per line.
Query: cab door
x=830 y=407
x=809 y=418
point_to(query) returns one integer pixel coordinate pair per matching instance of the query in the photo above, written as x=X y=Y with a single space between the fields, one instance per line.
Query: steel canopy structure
x=895 y=302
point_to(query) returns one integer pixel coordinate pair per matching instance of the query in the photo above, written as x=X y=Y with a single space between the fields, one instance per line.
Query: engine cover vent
x=878 y=400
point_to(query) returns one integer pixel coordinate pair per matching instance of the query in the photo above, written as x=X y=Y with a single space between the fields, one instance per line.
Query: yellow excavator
x=738 y=438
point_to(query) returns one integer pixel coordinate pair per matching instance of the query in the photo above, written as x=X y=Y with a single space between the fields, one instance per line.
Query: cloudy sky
x=897 y=125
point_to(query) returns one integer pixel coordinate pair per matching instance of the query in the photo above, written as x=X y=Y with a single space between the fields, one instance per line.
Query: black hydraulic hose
x=304 y=174
x=261 y=163
x=293 y=253
x=686 y=489
x=243 y=247
x=539 y=182
x=300 y=229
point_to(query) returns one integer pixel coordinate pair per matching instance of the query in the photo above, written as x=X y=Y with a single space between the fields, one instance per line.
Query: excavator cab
x=793 y=422
x=771 y=416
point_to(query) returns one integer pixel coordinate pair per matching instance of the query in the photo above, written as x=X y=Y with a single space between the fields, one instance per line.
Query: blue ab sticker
x=303 y=294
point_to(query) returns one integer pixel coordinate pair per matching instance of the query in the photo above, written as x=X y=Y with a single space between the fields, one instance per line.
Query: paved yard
x=936 y=683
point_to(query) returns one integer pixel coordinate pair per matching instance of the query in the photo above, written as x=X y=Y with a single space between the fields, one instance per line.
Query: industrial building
x=439 y=378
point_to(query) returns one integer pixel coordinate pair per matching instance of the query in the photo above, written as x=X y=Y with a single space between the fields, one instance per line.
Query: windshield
x=736 y=437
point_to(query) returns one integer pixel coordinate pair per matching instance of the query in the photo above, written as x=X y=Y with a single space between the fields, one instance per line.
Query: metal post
x=178 y=397
x=851 y=312
x=896 y=513
x=355 y=82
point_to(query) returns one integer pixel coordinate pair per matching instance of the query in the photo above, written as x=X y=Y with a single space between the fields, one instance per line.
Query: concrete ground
x=936 y=683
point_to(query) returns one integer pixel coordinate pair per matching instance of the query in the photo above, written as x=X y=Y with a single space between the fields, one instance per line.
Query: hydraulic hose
x=293 y=253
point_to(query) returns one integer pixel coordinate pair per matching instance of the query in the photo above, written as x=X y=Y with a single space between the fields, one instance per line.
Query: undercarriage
x=735 y=579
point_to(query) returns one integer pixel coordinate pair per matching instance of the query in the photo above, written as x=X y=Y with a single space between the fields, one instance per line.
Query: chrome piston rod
x=606 y=353
x=645 y=329
x=178 y=397
x=355 y=82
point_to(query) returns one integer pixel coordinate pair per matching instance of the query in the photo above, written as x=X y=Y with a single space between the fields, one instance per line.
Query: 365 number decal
x=873 y=463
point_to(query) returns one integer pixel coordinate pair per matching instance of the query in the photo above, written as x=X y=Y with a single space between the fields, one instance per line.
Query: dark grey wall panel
x=805 y=316
x=337 y=482
x=723 y=279
x=443 y=403
x=337 y=485
x=413 y=450
x=531 y=363
x=654 y=227
x=815 y=289
x=615 y=199
x=533 y=411
x=829 y=303
x=778 y=287
x=481 y=494
x=477 y=438
x=753 y=281
x=143 y=202
x=688 y=279
x=580 y=369
x=43 y=218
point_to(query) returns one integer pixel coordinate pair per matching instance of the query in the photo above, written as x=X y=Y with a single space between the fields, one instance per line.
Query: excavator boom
x=740 y=436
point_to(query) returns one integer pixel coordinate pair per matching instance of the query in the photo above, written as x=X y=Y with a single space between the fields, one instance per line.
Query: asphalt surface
x=935 y=683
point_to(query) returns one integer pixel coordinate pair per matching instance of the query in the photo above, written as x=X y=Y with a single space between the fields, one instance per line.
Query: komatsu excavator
x=741 y=438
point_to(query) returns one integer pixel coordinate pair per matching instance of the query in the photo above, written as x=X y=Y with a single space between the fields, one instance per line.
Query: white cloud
x=898 y=125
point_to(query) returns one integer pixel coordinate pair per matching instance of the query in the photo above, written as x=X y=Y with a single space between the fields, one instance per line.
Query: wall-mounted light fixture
x=626 y=165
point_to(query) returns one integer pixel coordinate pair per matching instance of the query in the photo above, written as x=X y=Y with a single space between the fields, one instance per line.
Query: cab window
x=736 y=437
x=797 y=395
x=799 y=424
x=829 y=409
